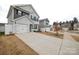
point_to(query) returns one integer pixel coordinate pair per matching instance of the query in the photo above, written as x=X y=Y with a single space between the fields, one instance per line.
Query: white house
x=44 y=25
x=21 y=19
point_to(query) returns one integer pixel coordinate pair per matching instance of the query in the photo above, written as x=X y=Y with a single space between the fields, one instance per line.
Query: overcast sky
x=54 y=10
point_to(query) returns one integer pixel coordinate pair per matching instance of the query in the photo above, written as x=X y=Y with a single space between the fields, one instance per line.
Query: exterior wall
x=23 y=20
x=66 y=25
x=65 y=29
x=11 y=16
x=16 y=13
x=46 y=22
x=29 y=8
x=45 y=29
x=43 y=24
x=2 y=28
x=8 y=29
x=11 y=27
x=32 y=13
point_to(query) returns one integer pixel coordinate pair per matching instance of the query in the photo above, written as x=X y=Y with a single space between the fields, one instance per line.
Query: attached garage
x=16 y=28
x=21 y=28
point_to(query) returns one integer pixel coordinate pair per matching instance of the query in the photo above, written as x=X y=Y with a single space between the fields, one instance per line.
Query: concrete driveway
x=47 y=45
x=42 y=44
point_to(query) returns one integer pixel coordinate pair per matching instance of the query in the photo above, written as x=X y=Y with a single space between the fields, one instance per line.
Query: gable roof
x=22 y=9
x=46 y=19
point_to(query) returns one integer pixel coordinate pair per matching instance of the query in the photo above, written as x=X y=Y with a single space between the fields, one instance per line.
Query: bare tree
x=56 y=28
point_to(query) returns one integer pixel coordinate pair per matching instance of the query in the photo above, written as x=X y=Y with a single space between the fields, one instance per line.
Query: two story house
x=21 y=19
x=44 y=25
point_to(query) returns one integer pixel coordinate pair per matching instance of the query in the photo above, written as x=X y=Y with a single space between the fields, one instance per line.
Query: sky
x=54 y=10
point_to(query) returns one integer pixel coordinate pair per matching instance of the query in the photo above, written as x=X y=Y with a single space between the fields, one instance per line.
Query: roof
x=46 y=19
x=19 y=8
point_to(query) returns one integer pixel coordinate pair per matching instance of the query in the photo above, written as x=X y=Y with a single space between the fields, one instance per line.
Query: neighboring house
x=22 y=19
x=76 y=26
x=44 y=25
x=65 y=26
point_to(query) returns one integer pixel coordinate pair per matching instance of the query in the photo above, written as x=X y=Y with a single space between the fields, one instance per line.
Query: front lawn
x=76 y=38
x=12 y=45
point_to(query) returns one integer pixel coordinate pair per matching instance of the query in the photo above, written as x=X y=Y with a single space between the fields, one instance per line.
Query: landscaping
x=53 y=34
x=76 y=38
x=11 y=45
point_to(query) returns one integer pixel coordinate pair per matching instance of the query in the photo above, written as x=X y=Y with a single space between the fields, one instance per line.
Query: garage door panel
x=21 y=28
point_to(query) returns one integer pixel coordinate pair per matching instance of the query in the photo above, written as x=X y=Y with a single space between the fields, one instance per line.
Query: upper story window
x=34 y=18
x=16 y=11
x=19 y=13
x=46 y=23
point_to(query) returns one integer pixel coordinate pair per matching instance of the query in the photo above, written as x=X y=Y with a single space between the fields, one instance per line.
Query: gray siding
x=43 y=23
x=2 y=27
x=23 y=20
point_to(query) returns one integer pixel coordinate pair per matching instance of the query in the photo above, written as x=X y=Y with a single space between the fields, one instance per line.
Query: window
x=34 y=18
x=46 y=23
x=19 y=12
x=16 y=11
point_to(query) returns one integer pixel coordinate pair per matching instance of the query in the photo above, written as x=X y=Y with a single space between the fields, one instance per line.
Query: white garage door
x=21 y=28
x=47 y=29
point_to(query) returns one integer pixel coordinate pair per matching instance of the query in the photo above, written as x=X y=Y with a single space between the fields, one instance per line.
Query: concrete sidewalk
x=69 y=46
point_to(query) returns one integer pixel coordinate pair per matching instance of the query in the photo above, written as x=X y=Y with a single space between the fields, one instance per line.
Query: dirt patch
x=12 y=45
x=52 y=34
x=76 y=38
